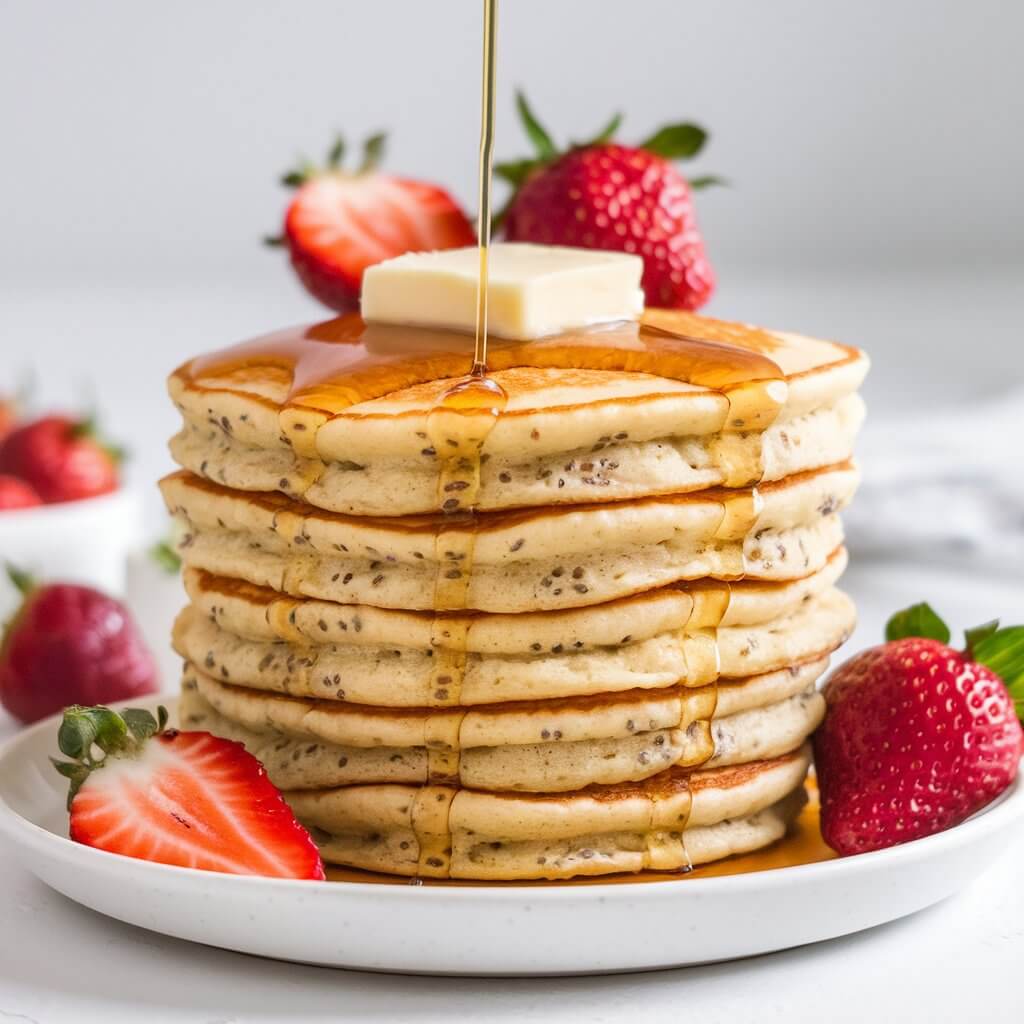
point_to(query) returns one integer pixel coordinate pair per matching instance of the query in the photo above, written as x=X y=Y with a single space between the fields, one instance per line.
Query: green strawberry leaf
x=299 y=175
x=22 y=581
x=515 y=172
x=535 y=132
x=1002 y=651
x=83 y=727
x=976 y=634
x=75 y=773
x=918 y=620
x=69 y=769
x=707 y=181
x=111 y=728
x=676 y=141
x=373 y=152
x=166 y=557
x=336 y=153
x=606 y=134
x=76 y=735
x=141 y=723
x=273 y=241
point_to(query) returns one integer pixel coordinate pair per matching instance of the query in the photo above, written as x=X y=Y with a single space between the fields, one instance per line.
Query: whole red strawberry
x=918 y=736
x=61 y=458
x=340 y=223
x=15 y=493
x=70 y=644
x=183 y=798
x=603 y=195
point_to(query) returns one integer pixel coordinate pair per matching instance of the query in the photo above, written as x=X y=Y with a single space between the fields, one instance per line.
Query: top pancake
x=568 y=435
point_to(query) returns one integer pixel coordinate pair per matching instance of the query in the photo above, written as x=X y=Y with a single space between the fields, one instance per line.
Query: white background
x=143 y=139
x=876 y=155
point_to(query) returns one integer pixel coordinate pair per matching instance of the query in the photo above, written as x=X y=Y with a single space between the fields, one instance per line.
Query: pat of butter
x=533 y=290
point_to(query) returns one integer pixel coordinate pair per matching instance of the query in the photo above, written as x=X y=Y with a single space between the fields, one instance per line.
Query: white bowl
x=84 y=541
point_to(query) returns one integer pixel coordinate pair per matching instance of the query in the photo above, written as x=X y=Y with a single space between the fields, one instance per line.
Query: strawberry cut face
x=338 y=225
x=192 y=800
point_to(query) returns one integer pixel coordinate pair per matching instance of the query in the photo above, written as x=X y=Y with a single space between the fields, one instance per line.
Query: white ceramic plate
x=489 y=930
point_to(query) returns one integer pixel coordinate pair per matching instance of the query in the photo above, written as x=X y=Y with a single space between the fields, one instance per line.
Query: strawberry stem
x=166 y=557
x=976 y=634
x=373 y=152
x=917 y=620
x=1001 y=651
x=707 y=181
x=681 y=141
x=606 y=134
x=535 y=131
x=87 y=428
x=676 y=141
x=24 y=582
x=83 y=730
x=336 y=153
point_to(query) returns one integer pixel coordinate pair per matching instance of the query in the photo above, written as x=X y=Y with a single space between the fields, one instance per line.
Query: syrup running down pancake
x=334 y=415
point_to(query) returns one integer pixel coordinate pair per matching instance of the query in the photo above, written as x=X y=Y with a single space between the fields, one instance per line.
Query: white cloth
x=948 y=486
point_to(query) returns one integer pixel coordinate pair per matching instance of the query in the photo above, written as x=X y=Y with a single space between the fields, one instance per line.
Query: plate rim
x=996 y=815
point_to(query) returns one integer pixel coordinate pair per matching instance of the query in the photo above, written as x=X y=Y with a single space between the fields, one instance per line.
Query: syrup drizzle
x=458 y=427
x=802 y=845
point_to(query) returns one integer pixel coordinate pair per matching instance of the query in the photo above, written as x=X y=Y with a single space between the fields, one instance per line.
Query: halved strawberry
x=340 y=223
x=183 y=798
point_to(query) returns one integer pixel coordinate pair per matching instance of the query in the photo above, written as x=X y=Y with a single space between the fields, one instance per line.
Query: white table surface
x=958 y=961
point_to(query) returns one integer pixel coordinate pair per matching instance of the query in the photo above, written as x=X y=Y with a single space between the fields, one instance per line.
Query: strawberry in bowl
x=183 y=798
x=918 y=735
x=17 y=493
x=64 y=511
x=60 y=458
x=339 y=223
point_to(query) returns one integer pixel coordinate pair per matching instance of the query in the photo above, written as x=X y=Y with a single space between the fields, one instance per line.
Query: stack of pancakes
x=609 y=666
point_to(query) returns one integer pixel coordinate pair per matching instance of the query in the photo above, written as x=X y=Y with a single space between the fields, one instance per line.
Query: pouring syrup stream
x=483 y=222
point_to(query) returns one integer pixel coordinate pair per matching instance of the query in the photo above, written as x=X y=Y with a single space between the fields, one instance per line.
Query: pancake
x=261 y=614
x=381 y=663
x=513 y=561
x=543 y=746
x=675 y=821
x=565 y=436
